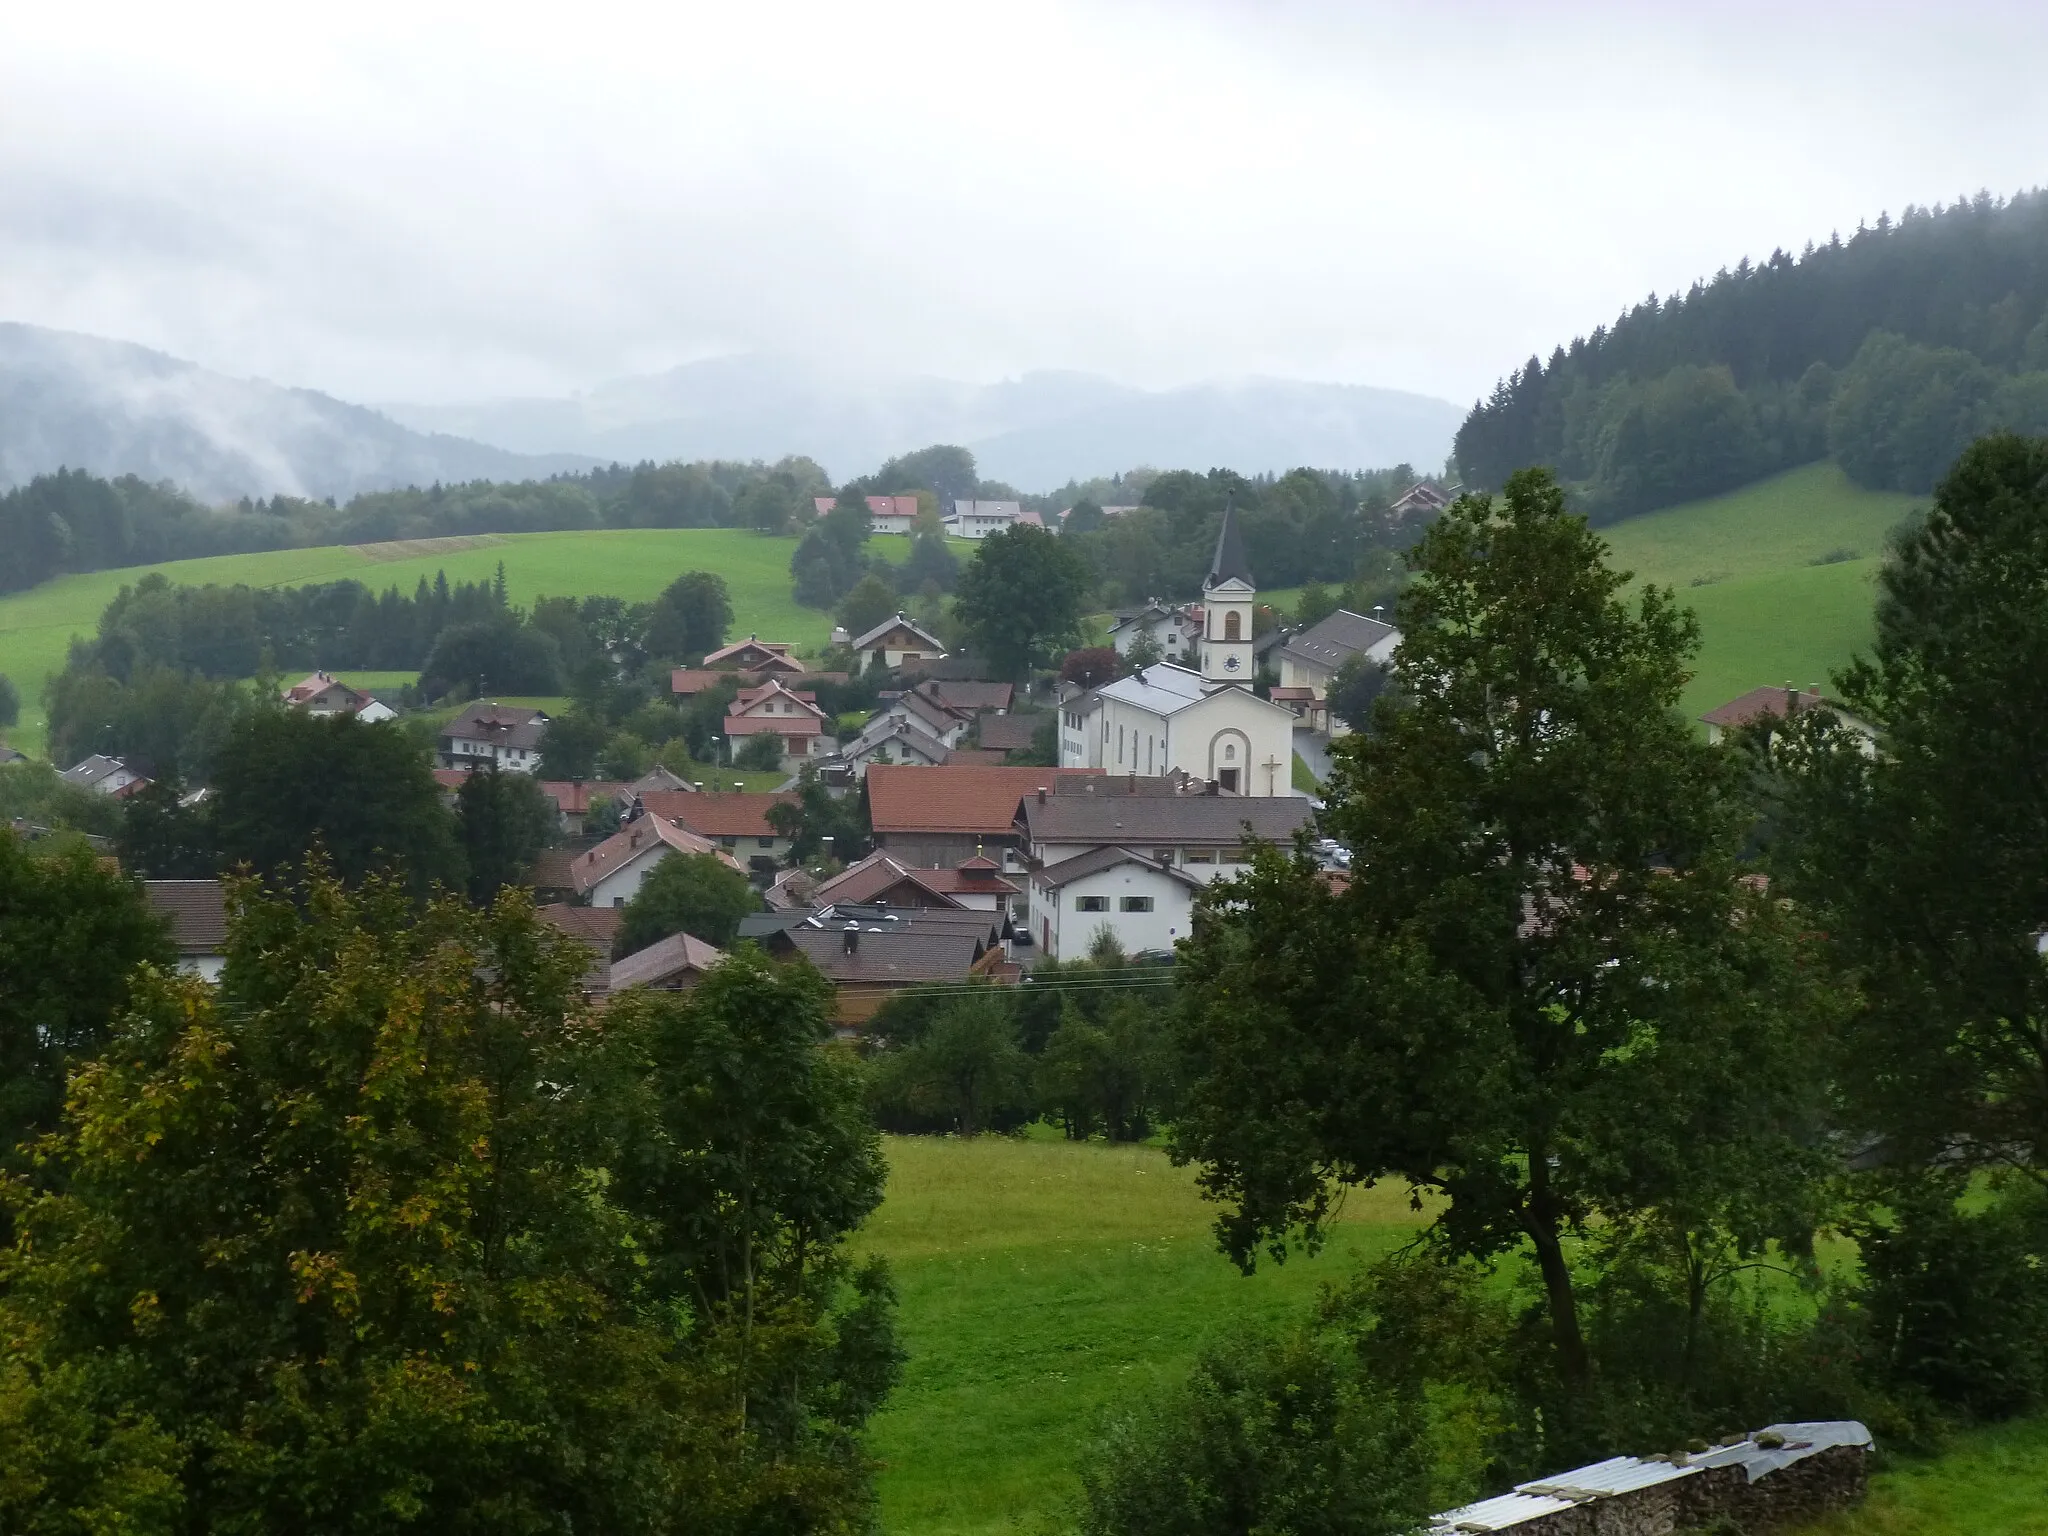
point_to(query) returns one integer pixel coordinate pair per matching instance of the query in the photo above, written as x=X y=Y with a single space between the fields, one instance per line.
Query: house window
x=1134 y=903
x=618 y=901
x=1091 y=903
x=764 y=842
x=1200 y=856
x=728 y=842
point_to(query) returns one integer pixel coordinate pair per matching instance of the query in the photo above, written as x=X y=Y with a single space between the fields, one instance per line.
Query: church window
x=1119 y=743
x=1148 y=754
x=1230 y=626
x=1230 y=751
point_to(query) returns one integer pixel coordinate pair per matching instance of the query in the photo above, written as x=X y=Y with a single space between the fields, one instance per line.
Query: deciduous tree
x=1021 y=598
x=691 y=893
x=690 y=618
x=503 y=821
x=1546 y=991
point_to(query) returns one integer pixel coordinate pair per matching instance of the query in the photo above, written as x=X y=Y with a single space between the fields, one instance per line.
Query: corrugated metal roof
x=1618 y=1474
x=1498 y=1514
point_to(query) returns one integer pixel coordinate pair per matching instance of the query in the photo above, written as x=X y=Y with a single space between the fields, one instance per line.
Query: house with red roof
x=323 y=694
x=1781 y=704
x=943 y=816
x=735 y=821
x=754 y=654
x=775 y=709
x=610 y=874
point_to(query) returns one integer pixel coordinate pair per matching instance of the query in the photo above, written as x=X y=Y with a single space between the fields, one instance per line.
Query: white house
x=323 y=694
x=896 y=640
x=892 y=739
x=610 y=874
x=104 y=776
x=979 y=519
x=1144 y=902
x=484 y=734
x=1311 y=660
x=1174 y=629
x=1781 y=703
x=1176 y=821
x=196 y=911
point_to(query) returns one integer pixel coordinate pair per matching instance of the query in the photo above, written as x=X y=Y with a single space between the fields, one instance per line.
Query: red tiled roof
x=595 y=926
x=663 y=961
x=685 y=681
x=572 y=797
x=955 y=798
x=716 y=813
x=1765 y=701
x=451 y=778
x=1009 y=733
x=774 y=725
x=764 y=653
x=747 y=698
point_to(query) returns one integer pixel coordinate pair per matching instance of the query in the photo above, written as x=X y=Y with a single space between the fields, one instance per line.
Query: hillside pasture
x=37 y=626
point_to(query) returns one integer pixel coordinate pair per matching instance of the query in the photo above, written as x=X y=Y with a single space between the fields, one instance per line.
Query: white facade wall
x=623 y=883
x=463 y=753
x=1231 y=734
x=1201 y=862
x=1064 y=929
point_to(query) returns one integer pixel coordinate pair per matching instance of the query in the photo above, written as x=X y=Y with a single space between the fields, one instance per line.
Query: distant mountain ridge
x=83 y=402
x=1035 y=432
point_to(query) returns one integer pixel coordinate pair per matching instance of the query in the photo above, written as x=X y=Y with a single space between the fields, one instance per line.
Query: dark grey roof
x=502 y=725
x=1095 y=860
x=1152 y=785
x=896 y=958
x=197 y=910
x=1337 y=639
x=1152 y=822
x=1229 y=562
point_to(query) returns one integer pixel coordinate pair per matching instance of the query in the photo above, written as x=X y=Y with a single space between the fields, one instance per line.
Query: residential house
x=674 y=964
x=573 y=797
x=655 y=778
x=1173 y=628
x=935 y=719
x=881 y=880
x=939 y=817
x=1781 y=703
x=1008 y=733
x=1423 y=499
x=894 y=642
x=323 y=694
x=737 y=822
x=886 y=514
x=105 y=776
x=597 y=928
x=754 y=654
x=775 y=709
x=968 y=696
x=892 y=738
x=197 y=913
x=9 y=755
x=484 y=734
x=979 y=519
x=1142 y=900
x=610 y=874
x=791 y=889
x=1208 y=723
x=868 y=956
x=688 y=682
x=1178 y=821
x=1311 y=660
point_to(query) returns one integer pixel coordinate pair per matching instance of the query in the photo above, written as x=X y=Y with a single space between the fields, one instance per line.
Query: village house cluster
x=1162 y=781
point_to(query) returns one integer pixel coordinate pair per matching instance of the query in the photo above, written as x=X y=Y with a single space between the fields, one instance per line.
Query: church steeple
x=1227 y=596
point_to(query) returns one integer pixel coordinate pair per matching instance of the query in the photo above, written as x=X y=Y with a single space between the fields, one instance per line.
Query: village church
x=1202 y=719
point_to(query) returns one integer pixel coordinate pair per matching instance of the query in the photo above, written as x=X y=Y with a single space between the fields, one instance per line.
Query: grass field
x=36 y=627
x=1043 y=1285
x=1770 y=612
x=1991 y=1482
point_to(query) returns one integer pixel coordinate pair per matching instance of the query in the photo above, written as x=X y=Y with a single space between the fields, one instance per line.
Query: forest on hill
x=1889 y=351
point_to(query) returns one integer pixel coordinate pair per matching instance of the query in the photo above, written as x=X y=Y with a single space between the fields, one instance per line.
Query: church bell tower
x=1227 y=595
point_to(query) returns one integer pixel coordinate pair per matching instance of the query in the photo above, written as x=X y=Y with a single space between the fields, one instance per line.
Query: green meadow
x=37 y=626
x=1781 y=574
x=1044 y=1285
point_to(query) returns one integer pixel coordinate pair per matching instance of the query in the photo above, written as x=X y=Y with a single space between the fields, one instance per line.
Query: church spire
x=1229 y=562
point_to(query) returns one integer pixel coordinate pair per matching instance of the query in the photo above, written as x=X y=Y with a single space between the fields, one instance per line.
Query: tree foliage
x=693 y=893
x=1926 y=861
x=287 y=782
x=386 y=1236
x=1545 y=992
x=503 y=821
x=691 y=617
x=1021 y=599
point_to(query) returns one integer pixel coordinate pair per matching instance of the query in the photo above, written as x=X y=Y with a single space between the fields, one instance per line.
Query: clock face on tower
x=1230 y=663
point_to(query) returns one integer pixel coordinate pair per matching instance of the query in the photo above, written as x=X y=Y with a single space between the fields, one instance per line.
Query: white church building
x=1203 y=720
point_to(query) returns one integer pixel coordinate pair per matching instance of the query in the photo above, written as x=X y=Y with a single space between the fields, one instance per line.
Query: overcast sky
x=417 y=201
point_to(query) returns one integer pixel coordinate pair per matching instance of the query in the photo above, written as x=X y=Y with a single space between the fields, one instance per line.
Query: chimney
x=1041 y=794
x=852 y=937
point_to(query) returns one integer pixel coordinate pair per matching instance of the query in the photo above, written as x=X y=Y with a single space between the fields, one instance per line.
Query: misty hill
x=1035 y=432
x=1887 y=352
x=119 y=409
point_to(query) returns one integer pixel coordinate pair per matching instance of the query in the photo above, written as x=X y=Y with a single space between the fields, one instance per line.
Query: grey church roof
x=1230 y=563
